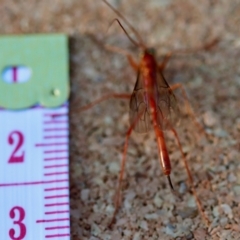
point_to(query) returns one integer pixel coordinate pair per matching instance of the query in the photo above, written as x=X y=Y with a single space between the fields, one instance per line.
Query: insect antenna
x=137 y=35
x=125 y=31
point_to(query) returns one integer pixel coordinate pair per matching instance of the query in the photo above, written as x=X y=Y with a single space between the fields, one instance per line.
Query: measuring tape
x=34 y=177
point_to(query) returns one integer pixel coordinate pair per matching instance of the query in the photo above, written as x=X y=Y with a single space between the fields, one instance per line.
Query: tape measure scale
x=34 y=181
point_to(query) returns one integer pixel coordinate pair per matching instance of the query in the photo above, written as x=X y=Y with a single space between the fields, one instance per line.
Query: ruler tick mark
x=49 y=144
x=55 y=114
x=55 y=173
x=55 y=158
x=57 y=196
x=54 y=122
x=56 y=136
x=56 y=212
x=32 y=183
x=56 y=204
x=55 y=129
x=57 y=235
x=56 y=166
x=54 y=189
x=52 y=220
x=55 y=151
x=57 y=227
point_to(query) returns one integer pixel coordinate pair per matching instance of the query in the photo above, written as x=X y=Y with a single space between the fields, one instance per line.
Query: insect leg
x=190 y=178
x=164 y=62
x=120 y=178
x=167 y=56
x=118 y=50
x=103 y=98
x=123 y=163
x=131 y=61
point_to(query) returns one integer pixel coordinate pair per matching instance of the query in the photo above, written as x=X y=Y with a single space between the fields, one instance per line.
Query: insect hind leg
x=190 y=179
x=120 y=178
x=123 y=163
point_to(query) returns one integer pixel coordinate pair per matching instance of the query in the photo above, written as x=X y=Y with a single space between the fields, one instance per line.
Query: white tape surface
x=34 y=184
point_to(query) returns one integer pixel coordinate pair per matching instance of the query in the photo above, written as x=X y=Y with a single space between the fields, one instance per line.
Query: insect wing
x=139 y=114
x=167 y=107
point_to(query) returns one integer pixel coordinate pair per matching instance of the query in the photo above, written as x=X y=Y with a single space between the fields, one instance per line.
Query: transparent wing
x=167 y=109
x=166 y=104
x=139 y=114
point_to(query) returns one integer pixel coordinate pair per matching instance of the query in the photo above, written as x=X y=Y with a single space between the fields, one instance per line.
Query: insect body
x=153 y=99
x=152 y=105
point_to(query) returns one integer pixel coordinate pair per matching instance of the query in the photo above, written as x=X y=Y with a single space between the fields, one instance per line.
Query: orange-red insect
x=152 y=104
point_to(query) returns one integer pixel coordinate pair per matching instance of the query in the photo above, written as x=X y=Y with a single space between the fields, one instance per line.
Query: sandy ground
x=149 y=209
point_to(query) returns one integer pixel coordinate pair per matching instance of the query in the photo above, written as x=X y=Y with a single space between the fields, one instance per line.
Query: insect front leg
x=132 y=62
x=167 y=56
x=127 y=54
x=164 y=62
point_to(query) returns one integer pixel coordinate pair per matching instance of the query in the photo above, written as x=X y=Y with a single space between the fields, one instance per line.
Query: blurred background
x=211 y=78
